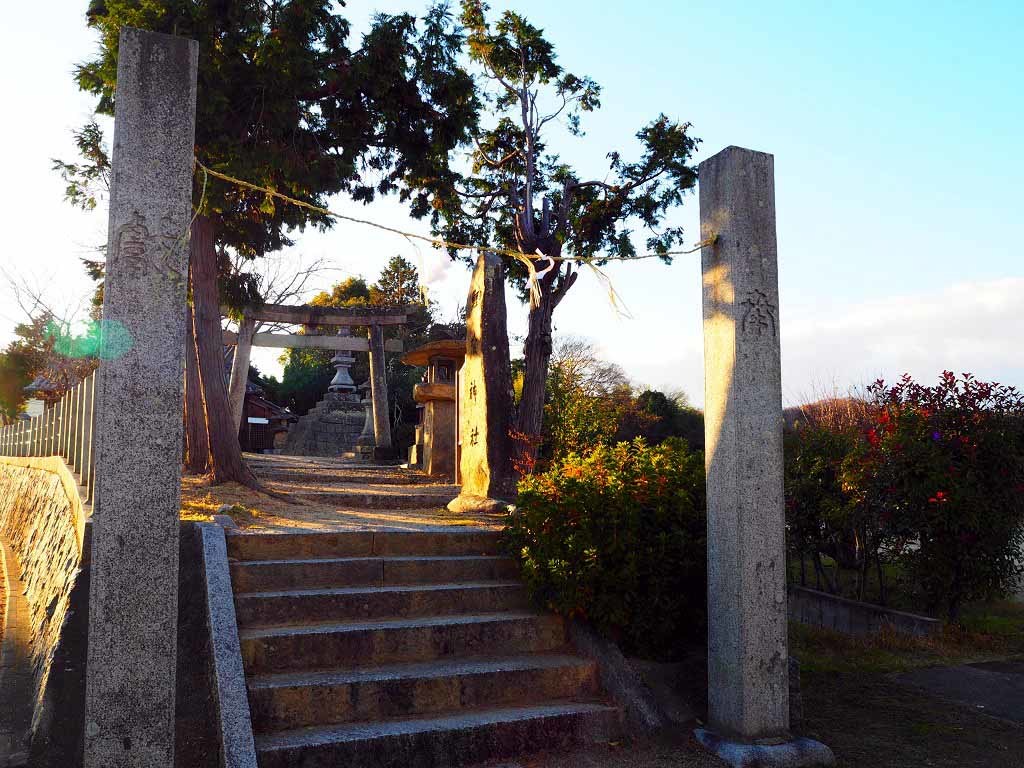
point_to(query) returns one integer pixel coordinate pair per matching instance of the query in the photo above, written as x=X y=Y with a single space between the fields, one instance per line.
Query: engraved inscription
x=474 y=436
x=137 y=251
x=759 y=319
x=474 y=346
x=131 y=245
x=472 y=390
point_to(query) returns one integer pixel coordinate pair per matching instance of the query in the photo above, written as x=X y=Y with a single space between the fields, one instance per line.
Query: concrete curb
x=852 y=617
x=619 y=679
x=238 y=747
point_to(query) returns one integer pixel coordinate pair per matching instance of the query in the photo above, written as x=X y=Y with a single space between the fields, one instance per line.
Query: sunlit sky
x=896 y=130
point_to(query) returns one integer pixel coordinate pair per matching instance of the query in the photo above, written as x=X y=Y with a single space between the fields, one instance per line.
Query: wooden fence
x=64 y=429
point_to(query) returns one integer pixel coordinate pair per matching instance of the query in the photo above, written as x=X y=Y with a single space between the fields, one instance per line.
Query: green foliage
x=933 y=485
x=87 y=181
x=518 y=194
x=618 y=537
x=285 y=103
x=16 y=366
x=656 y=416
x=589 y=402
x=45 y=347
x=575 y=420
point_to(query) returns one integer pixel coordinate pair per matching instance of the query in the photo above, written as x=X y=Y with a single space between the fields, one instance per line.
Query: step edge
x=384 y=625
x=386 y=588
x=444 y=667
x=322 y=736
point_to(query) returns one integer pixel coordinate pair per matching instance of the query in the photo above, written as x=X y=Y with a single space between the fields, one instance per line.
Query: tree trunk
x=197 y=440
x=537 y=354
x=823 y=574
x=228 y=464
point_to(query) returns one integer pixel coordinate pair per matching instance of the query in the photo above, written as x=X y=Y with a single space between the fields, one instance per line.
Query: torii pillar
x=379 y=391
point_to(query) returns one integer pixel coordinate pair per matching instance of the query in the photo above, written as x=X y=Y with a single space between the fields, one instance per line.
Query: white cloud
x=967 y=326
x=974 y=326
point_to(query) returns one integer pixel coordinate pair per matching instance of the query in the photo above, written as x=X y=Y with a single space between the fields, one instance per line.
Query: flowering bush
x=618 y=537
x=934 y=482
x=943 y=470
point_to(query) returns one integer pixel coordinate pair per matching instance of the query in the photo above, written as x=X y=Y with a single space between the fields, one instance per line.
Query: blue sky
x=896 y=130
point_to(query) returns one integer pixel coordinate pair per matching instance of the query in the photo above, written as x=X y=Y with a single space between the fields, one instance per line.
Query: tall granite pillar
x=379 y=390
x=748 y=657
x=133 y=604
x=748 y=660
x=485 y=396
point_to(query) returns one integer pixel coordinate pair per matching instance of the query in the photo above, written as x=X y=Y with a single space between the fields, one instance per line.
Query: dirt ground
x=678 y=750
x=871 y=721
x=256 y=511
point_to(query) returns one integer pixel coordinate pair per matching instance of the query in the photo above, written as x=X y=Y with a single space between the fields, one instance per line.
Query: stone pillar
x=379 y=389
x=748 y=691
x=485 y=396
x=748 y=657
x=240 y=369
x=133 y=602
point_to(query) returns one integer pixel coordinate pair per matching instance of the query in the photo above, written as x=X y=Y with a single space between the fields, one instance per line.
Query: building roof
x=450 y=348
x=43 y=384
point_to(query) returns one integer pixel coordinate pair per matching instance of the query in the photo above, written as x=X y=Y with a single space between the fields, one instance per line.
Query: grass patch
x=989 y=631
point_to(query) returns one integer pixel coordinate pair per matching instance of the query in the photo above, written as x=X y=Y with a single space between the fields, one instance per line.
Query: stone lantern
x=435 y=448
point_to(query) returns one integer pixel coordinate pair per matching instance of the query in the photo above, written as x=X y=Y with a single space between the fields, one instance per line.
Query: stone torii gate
x=372 y=317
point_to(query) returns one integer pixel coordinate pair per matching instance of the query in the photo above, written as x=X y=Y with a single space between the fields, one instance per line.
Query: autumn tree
x=518 y=194
x=286 y=103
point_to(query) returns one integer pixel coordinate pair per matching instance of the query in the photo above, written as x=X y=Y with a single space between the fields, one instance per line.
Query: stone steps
x=351 y=499
x=355 y=477
x=362 y=603
x=461 y=738
x=361 y=643
x=269 y=575
x=403 y=649
x=277 y=546
x=288 y=701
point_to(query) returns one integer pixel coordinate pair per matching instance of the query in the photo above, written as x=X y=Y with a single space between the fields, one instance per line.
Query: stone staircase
x=403 y=650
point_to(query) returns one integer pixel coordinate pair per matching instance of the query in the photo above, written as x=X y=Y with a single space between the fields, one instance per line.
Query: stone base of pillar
x=473 y=504
x=768 y=753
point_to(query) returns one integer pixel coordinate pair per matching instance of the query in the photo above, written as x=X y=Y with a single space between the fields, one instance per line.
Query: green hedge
x=618 y=537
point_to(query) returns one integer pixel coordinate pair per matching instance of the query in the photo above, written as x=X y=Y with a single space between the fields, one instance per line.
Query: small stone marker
x=133 y=604
x=748 y=663
x=485 y=397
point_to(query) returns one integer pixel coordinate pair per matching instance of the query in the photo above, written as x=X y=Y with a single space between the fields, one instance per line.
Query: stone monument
x=748 y=661
x=133 y=601
x=332 y=427
x=485 y=395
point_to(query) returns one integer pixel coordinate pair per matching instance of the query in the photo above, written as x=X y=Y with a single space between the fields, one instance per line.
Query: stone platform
x=335 y=495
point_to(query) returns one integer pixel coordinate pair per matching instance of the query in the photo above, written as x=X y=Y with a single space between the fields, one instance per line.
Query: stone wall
x=820 y=609
x=329 y=429
x=44 y=522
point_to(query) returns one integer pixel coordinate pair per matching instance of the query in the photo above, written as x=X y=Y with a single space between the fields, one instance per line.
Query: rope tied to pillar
x=526 y=259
